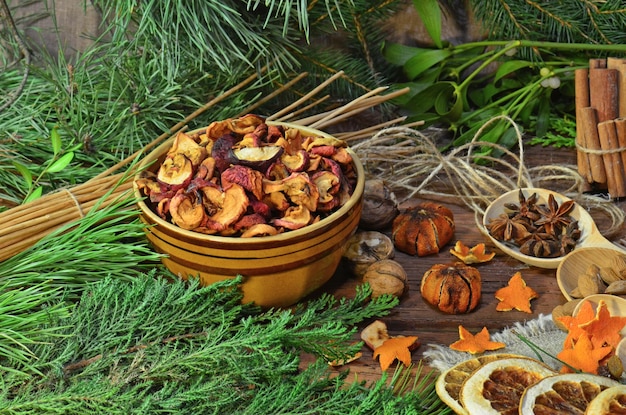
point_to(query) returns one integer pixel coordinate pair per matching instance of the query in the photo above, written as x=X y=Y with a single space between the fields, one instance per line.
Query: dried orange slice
x=611 y=401
x=449 y=382
x=565 y=394
x=497 y=387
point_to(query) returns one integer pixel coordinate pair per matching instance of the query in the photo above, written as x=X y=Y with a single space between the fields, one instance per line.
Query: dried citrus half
x=497 y=387
x=611 y=401
x=565 y=394
x=449 y=382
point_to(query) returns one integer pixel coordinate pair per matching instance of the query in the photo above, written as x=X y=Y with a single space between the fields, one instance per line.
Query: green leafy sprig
x=454 y=87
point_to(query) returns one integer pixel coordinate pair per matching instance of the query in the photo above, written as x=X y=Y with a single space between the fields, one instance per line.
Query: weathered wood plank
x=415 y=317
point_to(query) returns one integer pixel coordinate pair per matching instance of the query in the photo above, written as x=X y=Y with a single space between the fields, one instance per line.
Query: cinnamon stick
x=597 y=63
x=581 y=92
x=620 y=66
x=592 y=143
x=620 y=128
x=612 y=159
x=603 y=93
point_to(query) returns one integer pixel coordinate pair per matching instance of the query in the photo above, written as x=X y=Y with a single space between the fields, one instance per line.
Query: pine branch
x=579 y=21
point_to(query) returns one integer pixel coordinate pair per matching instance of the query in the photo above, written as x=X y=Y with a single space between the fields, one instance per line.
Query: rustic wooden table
x=413 y=316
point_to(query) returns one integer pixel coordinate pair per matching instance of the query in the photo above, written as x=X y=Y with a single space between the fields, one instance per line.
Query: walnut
x=365 y=248
x=380 y=206
x=386 y=277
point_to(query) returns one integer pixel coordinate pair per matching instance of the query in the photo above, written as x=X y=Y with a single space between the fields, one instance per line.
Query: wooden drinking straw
x=24 y=225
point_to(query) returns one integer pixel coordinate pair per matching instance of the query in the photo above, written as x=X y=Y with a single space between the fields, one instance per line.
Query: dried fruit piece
x=449 y=383
x=395 y=348
x=474 y=344
x=423 y=229
x=375 y=334
x=473 y=255
x=604 y=328
x=386 y=277
x=497 y=387
x=564 y=394
x=176 y=171
x=258 y=158
x=452 y=288
x=516 y=295
x=581 y=355
x=611 y=401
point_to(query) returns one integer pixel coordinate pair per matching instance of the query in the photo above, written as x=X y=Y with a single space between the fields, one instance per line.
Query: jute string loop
x=412 y=164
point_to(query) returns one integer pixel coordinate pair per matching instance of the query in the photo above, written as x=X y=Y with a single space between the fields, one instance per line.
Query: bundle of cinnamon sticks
x=601 y=124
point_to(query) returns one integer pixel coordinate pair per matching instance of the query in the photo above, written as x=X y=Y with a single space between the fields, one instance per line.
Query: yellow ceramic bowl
x=278 y=270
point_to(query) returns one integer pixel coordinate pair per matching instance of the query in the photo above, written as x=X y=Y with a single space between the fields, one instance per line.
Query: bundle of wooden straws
x=24 y=225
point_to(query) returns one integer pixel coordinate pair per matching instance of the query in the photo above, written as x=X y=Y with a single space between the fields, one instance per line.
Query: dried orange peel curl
x=386 y=348
x=473 y=255
x=474 y=344
x=516 y=295
x=592 y=336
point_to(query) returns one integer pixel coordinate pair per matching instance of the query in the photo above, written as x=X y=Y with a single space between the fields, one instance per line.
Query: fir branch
x=243 y=359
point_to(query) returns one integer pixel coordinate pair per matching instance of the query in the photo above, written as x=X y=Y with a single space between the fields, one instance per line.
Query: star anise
x=570 y=238
x=541 y=245
x=526 y=208
x=554 y=217
x=506 y=228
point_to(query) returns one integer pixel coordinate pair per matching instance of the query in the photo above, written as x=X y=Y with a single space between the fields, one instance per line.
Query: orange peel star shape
x=474 y=344
x=574 y=324
x=473 y=255
x=583 y=356
x=516 y=295
x=395 y=348
x=604 y=329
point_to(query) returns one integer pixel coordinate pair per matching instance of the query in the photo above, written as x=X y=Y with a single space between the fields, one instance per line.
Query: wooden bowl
x=590 y=235
x=278 y=270
x=577 y=262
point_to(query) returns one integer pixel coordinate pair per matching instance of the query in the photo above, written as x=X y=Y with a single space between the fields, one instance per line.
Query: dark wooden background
x=414 y=317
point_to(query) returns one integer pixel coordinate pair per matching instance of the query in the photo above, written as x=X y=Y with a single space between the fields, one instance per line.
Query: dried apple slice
x=225 y=207
x=185 y=144
x=246 y=177
x=186 y=210
x=258 y=158
x=176 y=171
x=298 y=161
x=295 y=217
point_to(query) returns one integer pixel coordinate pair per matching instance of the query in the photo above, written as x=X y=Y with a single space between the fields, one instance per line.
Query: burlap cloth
x=540 y=332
